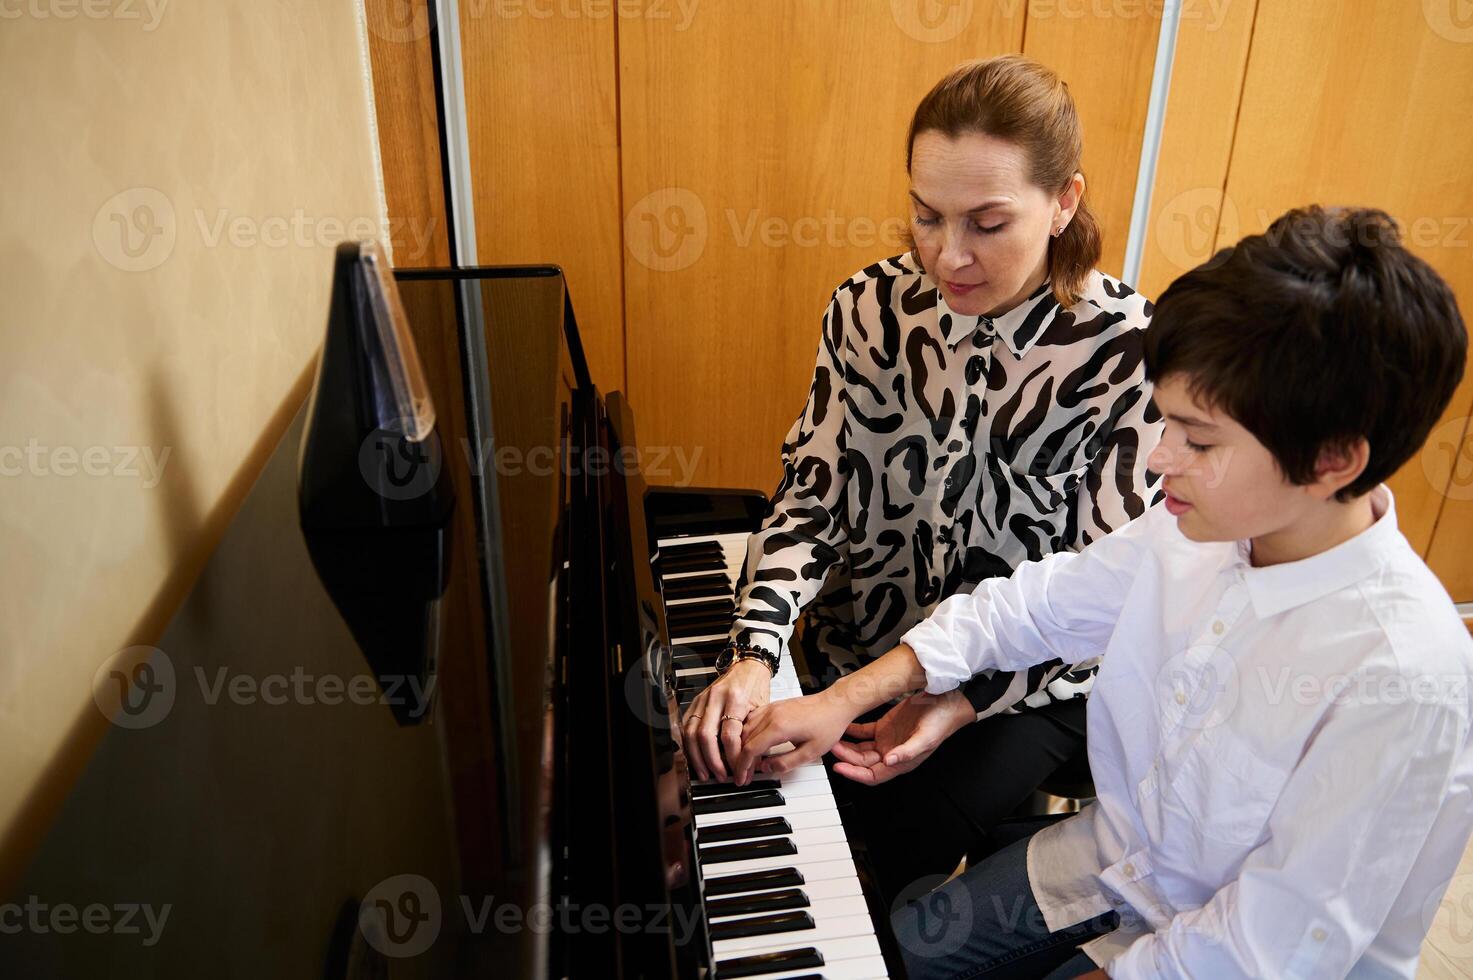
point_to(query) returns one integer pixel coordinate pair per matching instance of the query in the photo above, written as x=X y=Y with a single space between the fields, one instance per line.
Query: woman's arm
x=787 y=560
x=805 y=536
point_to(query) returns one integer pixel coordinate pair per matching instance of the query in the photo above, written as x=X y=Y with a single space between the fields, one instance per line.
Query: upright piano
x=528 y=812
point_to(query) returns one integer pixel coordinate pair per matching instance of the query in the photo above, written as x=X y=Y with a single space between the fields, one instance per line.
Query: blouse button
x=1319 y=935
x=1181 y=698
x=1218 y=627
x=1129 y=870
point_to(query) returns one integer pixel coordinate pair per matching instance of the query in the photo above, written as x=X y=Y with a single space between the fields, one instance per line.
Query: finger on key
x=731 y=730
x=710 y=735
x=690 y=727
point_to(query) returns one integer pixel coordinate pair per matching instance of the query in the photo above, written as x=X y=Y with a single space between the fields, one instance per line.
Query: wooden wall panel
x=1196 y=142
x=1106 y=52
x=408 y=131
x=763 y=154
x=541 y=104
x=1365 y=103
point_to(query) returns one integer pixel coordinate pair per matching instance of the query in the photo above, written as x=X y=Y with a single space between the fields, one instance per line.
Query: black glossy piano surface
x=541 y=821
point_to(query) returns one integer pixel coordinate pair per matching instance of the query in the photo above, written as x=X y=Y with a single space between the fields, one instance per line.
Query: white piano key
x=838 y=927
x=822 y=910
x=819 y=856
x=798 y=821
x=802 y=839
x=820 y=889
x=804 y=804
x=861 y=968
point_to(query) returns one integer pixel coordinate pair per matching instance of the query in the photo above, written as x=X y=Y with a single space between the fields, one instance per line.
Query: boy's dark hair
x=1317 y=332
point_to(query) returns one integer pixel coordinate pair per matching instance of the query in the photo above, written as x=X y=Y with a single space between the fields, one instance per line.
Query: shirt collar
x=1278 y=588
x=1019 y=327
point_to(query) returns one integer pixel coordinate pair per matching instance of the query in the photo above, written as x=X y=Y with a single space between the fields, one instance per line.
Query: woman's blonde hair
x=1016 y=99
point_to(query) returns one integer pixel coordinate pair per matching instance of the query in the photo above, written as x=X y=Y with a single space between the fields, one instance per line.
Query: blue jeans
x=986 y=924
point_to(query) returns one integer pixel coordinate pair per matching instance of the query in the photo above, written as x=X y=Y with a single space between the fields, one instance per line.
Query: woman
x=978 y=402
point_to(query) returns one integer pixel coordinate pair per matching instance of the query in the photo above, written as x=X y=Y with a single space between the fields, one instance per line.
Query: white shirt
x=1281 y=755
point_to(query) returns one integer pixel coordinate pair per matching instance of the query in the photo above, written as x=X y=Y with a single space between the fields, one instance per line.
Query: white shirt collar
x=1277 y=588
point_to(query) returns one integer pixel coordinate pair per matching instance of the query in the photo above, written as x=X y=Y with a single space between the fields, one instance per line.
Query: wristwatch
x=741 y=651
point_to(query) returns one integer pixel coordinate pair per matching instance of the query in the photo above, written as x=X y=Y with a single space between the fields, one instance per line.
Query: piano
x=528 y=812
x=765 y=871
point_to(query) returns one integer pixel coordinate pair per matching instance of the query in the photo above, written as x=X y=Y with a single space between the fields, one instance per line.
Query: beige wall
x=232 y=142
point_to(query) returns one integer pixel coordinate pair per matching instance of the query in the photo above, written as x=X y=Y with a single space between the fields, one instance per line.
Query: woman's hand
x=813 y=724
x=902 y=738
x=707 y=725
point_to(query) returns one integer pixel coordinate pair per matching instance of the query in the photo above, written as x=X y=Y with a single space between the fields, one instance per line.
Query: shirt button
x=1129 y=870
x=1181 y=698
x=1218 y=627
x=1320 y=935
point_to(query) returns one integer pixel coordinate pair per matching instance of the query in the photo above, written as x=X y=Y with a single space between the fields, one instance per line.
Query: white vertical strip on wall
x=1140 y=215
x=461 y=204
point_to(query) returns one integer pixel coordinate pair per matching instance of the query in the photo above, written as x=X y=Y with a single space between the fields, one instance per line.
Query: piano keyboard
x=781 y=893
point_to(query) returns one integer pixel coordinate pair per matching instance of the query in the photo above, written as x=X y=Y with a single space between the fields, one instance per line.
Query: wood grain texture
x=1106 y=52
x=1196 y=141
x=541 y=105
x=763 y=164
x=408 y=131
x=1363 y=103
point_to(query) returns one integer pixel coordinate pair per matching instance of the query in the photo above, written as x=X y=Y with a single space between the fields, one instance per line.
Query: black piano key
x=753 y=881
x=692 y=548
x=778 y=901
x=691 y=686
x=761 y=925
x=676 y=566
x=721 y=789
x=747 y=850
x=738 y=801
x=703 y=611
x=700 y=649
x=760 y=963
x=745 y=830
x=709 y=626
x=714 y=585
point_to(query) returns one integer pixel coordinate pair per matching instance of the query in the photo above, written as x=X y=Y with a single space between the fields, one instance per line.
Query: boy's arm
x=1063 y=607
x=1360 y=828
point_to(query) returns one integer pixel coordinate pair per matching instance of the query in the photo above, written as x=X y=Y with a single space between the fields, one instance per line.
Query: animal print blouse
x=936 y=450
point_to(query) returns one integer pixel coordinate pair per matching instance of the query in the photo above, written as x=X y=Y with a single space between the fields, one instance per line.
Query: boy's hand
x=903 y=738
x=813 y=724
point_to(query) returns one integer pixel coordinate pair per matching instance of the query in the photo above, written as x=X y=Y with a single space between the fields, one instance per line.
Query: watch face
x=723 y=659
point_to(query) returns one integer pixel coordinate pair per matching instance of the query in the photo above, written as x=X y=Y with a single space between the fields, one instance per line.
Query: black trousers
x=916 y=828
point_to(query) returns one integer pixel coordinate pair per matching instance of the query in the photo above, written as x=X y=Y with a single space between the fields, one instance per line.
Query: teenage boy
x=1279 y=734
